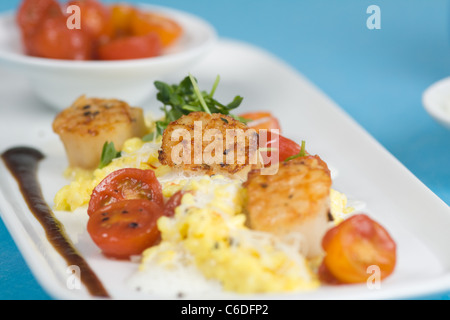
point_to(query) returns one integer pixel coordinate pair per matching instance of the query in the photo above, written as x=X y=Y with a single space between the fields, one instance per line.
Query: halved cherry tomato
x=261 y=120
x=278 y=148
x=123 y=184
x=288 y=148
x=134 y=47
x=173 y=202
x=121 y=15
x=143 y=23
x=354 y=245
x=31 y=13
x=95 y=18
x=325 y=275
x=54 y=40
x=126 y=228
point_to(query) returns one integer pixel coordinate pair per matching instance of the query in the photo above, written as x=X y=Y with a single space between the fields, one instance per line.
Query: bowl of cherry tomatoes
x=103 y=50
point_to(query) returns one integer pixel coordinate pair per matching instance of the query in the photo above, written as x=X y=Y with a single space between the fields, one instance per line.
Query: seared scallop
x=293 y=204
x=85 y=126
x=210 y=144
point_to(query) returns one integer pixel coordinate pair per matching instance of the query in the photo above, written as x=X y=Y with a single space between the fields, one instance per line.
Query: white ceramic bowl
x=436 y=100
x=60 y=82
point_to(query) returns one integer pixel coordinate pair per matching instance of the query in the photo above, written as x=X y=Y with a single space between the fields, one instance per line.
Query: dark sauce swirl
x=23 y=162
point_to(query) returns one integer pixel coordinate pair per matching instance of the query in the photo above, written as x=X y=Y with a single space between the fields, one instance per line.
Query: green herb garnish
x=109 y=153
x=199 y=94
x=302 y=152
x=186 y=97
x=149 y=137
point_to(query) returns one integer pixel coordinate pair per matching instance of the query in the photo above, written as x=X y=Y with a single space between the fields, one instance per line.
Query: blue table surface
x=377 y=76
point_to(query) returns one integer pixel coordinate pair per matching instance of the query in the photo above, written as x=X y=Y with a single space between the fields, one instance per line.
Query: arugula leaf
x=109 y=153
x=186 y=97
x=302 y=152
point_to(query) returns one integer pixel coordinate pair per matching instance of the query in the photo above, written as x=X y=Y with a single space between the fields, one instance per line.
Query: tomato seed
x=133 y=225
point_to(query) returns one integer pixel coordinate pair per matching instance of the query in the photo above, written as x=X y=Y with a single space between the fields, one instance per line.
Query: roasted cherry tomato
x=121 y=15
x=261 y=120
x=354 y=245
x=143 y=23
x=173 y=202
x=31 y=13
x=95 y=18
x=128 y=183
x=54 y=40
x=126 y=228
x=287 y=147
x=325 y=275
x=283 y=147
x=278 y=148
x=134 y=47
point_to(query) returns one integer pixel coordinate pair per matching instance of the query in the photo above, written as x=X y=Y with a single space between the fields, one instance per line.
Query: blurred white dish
x=436 y=100
x=60 y=82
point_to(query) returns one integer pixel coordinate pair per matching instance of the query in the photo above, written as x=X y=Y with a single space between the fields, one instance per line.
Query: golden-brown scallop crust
x=213 y=128
x=90 y=116
x=88 y=123
x=294 y=199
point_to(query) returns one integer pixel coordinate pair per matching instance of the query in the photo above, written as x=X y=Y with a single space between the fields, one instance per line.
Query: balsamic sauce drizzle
x=23 y=162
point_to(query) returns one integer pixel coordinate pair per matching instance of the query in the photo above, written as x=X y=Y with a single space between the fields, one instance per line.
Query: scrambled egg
x=339 y=206
x=135 y=154
x=209 y=226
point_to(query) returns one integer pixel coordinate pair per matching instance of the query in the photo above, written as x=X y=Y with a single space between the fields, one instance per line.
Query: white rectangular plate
x=417 y=219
